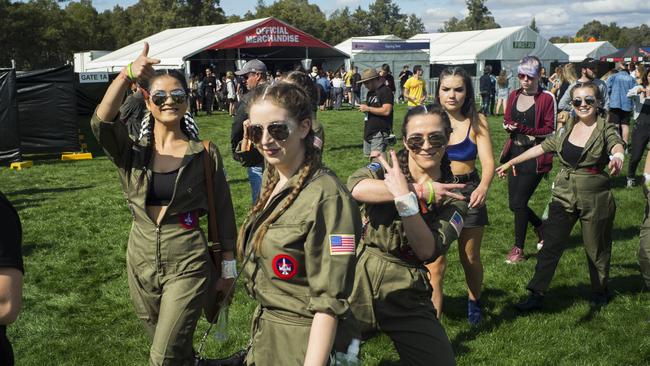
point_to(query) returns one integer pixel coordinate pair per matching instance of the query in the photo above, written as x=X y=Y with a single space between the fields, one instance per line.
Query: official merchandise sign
x=93 y=77
x=523 y=44
x=270 y=33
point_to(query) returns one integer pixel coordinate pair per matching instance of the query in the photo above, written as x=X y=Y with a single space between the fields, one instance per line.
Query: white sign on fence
x=93 y=77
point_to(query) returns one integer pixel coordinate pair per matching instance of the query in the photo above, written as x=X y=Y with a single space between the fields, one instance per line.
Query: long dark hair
x=403 y=154
x=297 y=102
x=468 y=109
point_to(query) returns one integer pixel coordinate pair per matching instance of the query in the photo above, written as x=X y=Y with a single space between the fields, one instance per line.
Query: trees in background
x=478 y=17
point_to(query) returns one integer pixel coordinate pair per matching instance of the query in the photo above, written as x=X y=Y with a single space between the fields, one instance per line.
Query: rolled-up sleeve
x=330 y=258
x=448 y=225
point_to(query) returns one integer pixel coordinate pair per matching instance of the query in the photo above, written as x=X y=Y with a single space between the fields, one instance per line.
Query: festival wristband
x=619 y=155
x=407 y=205
x=129 y=71
x=228 y=269
x=432 y=193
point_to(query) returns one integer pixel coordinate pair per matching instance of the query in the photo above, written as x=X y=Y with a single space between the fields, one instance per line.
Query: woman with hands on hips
x=162 y=171
x=588 y=149
x=408 y=222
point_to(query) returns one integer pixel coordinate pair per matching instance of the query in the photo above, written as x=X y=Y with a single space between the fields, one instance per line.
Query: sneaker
x=540 y=236
x=516 y=255
x=631 y=182
x=533 y=302
x=474 y=312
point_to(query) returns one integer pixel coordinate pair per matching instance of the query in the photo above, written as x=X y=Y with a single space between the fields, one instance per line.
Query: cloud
x=610 y=7
x=435 y=17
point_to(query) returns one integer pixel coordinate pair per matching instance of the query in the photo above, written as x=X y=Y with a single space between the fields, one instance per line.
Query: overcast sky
x=554 y=17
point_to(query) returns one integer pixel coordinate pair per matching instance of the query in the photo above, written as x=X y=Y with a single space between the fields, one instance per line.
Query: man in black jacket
x=485 y=89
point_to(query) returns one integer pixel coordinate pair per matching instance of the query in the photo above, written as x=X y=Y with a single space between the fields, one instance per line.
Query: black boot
x=534 y=302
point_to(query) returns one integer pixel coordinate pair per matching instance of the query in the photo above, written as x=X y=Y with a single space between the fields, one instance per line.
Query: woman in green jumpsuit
x=404 y=229
x=299 y=241
x=581 y=191
x=170 y=272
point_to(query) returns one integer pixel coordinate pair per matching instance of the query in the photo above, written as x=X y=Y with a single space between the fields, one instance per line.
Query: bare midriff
x=463 y=167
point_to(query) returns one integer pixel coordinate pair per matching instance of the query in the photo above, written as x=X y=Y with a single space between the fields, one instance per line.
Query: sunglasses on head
x=279 y=131
x=524 y=76
x=159 y=97
x=577 y=102
x=436 y=140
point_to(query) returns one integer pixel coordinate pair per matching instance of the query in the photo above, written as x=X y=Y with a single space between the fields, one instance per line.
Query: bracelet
x=432 y=193
x=228 y=269
x=129 y=72
x=619 y=155
x=407 y=205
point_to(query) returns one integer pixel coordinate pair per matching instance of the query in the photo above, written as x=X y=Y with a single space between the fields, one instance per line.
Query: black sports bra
x=161 y=188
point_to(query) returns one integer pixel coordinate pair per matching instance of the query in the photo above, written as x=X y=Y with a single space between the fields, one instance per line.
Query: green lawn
x=77 y=311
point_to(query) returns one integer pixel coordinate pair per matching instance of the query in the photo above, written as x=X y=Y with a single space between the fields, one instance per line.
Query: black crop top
x=161 y=188
x=571 y=153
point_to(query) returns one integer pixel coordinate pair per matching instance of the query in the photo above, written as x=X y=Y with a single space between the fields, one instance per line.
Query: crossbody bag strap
x=213 y=234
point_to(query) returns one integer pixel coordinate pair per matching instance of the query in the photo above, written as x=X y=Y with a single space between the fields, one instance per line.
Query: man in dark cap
x=379 y=113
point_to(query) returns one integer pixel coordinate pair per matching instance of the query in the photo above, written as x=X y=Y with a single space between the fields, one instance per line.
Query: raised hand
x=142 y=67
x=394 y=179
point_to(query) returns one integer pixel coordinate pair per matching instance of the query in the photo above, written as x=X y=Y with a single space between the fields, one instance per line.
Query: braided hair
x=297 y=103
x=403 y=154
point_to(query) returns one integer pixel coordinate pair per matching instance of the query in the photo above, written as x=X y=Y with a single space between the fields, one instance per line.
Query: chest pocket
x=283 y=252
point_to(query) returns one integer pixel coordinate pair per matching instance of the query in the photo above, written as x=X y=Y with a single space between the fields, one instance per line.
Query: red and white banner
x=270 y=33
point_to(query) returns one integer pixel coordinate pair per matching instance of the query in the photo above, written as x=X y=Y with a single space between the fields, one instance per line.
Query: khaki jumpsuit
x=306 y=266
x=580 y=193
x=168 y=264
x=391 y=289
x=644 y=242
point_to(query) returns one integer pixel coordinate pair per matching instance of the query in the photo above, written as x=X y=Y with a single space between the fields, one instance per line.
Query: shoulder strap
x=213 y=235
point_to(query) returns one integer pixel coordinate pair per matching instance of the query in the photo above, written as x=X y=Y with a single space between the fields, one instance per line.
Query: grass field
x=77 y=310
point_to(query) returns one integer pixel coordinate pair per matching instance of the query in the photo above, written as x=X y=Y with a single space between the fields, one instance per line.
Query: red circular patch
x=285 y=266
x=189 y=220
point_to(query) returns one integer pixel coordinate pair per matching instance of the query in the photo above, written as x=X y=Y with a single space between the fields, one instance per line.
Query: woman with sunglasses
x=469 y=140
x=298 y=243
x=170 y=272
x=410 y=219
x=529 y=118
x=586 y=148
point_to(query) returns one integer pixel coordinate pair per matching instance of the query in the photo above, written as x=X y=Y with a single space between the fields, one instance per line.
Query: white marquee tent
x=507 y=45
x=579 y=51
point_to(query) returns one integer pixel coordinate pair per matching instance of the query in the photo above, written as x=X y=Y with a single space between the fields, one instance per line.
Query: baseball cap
x=252 y=66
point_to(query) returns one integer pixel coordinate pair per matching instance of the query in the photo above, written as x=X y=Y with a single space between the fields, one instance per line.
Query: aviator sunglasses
x=278 y=130
x=415 y=142
x=577 y=102
x=159 y=97
x=524 y=76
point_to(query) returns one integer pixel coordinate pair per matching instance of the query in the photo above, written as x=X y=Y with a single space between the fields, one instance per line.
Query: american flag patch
x=457 y=222
x=342 y=244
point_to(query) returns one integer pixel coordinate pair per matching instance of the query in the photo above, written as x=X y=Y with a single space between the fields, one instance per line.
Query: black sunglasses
x=577 y=102
x=279 y=130
x=415 y=142
x=159 y=97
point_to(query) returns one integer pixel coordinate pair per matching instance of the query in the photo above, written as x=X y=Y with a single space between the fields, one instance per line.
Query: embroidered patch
x=457 y=222
x=284 y=266
x=189 y=220
x=342 y=244
x=374 y=166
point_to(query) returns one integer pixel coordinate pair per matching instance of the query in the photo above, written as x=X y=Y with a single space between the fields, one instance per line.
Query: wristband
x=618 y=155
x=129 y=72
x=407 y=205
x=432 y=193
x=229 y=269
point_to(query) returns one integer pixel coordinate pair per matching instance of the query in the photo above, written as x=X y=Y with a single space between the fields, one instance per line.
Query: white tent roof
x=172 y=46
x=507 y=44
x=346 y=46
x=579 y=51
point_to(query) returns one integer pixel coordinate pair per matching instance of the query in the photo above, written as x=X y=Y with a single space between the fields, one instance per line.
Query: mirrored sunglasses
x=577 y=102
x=279 y=131
x=436 y=140
x=159 y=97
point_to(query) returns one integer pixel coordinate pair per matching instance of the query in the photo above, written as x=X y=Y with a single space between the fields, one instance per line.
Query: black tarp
x=90 y=94
x=9 y=132
x=47 y=111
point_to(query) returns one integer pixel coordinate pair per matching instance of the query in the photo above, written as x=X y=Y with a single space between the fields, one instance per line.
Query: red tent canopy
x=270 y=33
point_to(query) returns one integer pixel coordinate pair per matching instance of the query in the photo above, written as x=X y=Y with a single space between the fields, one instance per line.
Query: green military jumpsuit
x=644 y=242
x=306 y=266
x=391 y=289
x=168 y=264
x=580 y=193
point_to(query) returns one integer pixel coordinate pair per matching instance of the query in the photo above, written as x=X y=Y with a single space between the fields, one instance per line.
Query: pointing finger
x=153 y=61
x=145 y=49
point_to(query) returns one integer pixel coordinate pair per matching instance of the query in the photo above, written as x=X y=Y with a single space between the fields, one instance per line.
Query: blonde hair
x=570 y=73
x=298 y=105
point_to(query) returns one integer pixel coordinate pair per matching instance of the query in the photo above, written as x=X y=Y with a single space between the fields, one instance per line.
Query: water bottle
x=221 y=331
x=351 y=357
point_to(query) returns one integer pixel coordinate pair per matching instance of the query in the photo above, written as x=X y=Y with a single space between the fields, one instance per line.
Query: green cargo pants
x=395 y=298
x=168 y=282
x=596 y=211
x=644 y=245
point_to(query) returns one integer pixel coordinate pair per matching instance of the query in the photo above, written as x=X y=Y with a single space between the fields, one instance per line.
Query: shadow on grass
x=30 y=248
x=557 y=299
x=345 y=147
x=36 y=196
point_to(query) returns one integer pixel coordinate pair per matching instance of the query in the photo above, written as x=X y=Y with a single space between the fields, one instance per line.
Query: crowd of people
x=329 y=262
